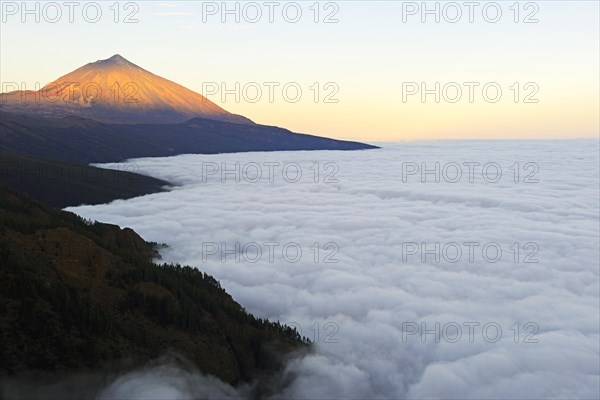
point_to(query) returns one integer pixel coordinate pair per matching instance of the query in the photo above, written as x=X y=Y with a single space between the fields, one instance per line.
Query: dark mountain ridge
x=77 y=295
x=80 y=140
x=62 y=184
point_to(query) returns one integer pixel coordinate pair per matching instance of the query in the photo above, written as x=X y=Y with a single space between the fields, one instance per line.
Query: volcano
x=111 y=111
x=118 y=91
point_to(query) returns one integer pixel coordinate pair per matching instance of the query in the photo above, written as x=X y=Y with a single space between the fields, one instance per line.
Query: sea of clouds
x=521 y=325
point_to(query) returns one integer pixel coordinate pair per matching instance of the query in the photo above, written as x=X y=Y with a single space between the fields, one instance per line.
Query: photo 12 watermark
x=324 y=332
x=475 y=172
x=469 y=331
x=53 y=12
x=469 y=92
x=317 y=332
x=470 y=252
x=270 y=171
x=288 y=92
x=270 y=252
x=253 y=12
x=33 y=171
x=454 y=12
x=74 y=93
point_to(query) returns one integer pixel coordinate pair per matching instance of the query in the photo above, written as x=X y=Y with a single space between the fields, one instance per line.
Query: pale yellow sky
x=369 y=58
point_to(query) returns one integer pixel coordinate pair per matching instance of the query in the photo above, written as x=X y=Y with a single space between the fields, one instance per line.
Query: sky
x=350 y=69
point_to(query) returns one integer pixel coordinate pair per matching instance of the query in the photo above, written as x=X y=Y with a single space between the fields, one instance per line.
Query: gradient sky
x=369 y=53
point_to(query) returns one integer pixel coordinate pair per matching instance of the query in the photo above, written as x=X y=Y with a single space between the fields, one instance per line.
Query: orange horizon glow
x=369 y=55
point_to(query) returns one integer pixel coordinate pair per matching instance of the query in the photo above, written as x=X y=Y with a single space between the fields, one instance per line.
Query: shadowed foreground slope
x=34 y=150
x=76 y=294
x=62 y=184
x=85 y=141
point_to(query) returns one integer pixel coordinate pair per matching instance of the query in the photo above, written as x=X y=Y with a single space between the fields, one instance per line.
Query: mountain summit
x=117 y=90
x=116 y=59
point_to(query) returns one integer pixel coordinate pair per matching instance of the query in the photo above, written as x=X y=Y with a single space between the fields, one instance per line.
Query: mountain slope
x=62 y=184
x=79 y=140
x=116 y=90
x=75 y=295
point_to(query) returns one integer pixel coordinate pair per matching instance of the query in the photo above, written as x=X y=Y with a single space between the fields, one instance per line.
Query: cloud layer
x=509 y=327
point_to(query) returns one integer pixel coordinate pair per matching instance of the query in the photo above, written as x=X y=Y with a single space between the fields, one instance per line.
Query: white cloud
x=168 y=380
x=371 y=295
